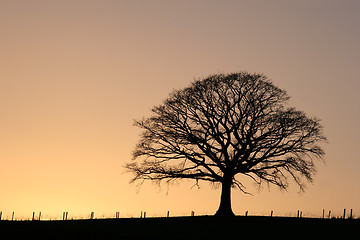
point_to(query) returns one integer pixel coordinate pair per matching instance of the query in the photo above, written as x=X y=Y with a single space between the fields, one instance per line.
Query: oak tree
x=224 y=126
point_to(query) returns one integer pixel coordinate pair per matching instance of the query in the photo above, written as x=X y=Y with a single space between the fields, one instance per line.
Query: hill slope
x=201 y=227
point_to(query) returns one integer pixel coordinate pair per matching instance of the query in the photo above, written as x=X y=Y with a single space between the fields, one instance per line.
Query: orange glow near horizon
x=74 y=75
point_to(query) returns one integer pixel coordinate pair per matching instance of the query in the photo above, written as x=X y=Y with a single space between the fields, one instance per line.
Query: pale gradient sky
x=74 y=74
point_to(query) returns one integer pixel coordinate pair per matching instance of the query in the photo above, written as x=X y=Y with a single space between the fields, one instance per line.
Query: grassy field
x=199 y=227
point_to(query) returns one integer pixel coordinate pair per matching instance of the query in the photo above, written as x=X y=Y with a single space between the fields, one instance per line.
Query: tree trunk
x=225 y=200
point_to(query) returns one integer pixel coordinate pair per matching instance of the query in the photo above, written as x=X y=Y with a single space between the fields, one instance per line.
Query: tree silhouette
x=227 y=125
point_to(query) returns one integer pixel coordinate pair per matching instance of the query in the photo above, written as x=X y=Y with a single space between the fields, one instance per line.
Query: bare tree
x=224 y=126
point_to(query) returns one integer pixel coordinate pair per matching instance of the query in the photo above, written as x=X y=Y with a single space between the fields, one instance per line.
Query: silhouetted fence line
x=344 y=214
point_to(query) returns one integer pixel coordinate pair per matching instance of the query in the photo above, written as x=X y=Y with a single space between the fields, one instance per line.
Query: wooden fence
x=65 y=215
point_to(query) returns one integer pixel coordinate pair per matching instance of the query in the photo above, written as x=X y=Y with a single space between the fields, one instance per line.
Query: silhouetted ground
x=200 y=227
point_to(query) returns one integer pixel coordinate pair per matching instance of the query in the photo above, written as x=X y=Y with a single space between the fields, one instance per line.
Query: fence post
x=66 y=215
x=323 y=213
x=144 y=214
x=344 y=213
x=329 y=213
x=33 y=217
x=351 y=214
x=168 y=213
x=0 y=215
x=298 y=212
x=13 y=214
x=271 y=214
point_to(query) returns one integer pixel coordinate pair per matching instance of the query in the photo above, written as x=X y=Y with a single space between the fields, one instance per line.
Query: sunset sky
x=75 y=74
